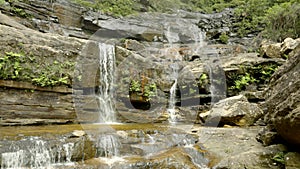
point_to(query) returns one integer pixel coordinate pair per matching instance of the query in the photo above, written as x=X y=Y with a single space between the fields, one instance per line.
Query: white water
x=106 y=79
x=37 y=155
x=68 y=148
x=172 y=102
x=199 y=39
x=108 y=145
x=13 y=159
x=40 y=155
x=172 y=97
x=172 y=51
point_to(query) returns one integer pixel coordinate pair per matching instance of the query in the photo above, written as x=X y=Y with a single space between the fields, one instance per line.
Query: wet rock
x=234 y=111
x=292 y=160
x=282 y=103
x=25 y=152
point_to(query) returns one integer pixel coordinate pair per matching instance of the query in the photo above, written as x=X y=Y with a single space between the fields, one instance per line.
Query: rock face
x=283 y=99
x=23 y=102
x=234 y=111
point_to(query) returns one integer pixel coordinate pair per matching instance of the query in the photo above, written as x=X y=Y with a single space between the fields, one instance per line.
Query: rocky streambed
x=134 y=146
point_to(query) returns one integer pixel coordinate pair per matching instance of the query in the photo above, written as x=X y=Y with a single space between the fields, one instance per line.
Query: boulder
x=271 y=50
x=234 y=111
x=282 y=103
x=278 y=50
x=289 y=44
x=292 y=160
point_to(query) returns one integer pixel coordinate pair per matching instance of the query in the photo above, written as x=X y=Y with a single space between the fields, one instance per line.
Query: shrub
x=283 y=20
x=224 y=38
x=2 y=2
x=18 y=66
x=114 y=7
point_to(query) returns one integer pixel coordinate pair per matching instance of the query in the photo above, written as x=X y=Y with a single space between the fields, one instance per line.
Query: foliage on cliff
x=18 y=67
x=283 y=20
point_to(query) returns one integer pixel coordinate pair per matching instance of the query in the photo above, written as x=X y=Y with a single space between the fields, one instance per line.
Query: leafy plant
x=243 y=81
x=224 y=38
x=10 y=65
x=203 y=79
x=149 y=90
x=18 y=66
x=135 y=86
x=279 y=158
x=263 y=72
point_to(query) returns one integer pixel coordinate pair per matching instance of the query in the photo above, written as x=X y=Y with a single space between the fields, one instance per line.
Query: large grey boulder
x=234 y=111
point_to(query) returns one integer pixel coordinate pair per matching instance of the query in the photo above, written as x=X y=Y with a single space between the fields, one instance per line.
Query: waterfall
x=36 y=154
x=108 y=145
x=106 y=80
x=172 y=97
x=172 y=37
x=172 y=102
x=13 y=159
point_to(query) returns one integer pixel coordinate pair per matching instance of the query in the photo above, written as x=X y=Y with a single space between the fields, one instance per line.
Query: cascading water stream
x=172 y=37
x=172 y=102
x=106 y=80
x=36 y=154
x=107 y=144
x=172 y=97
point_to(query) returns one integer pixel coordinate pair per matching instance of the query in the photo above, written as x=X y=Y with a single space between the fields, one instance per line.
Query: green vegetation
x=259 y=74
x=18 y=66
x=203 y=80
x=224 y=38
x=135 y=86
x=114 y=7
x=10 y=66
x=2 y=2
x=242 y=81
x=20 y=12
x=283 y=20
x=279 y=18
x=147 y=90
x=279 y=158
